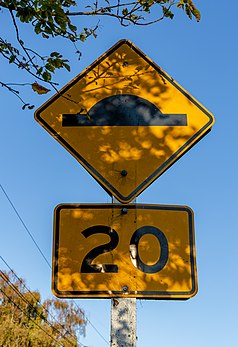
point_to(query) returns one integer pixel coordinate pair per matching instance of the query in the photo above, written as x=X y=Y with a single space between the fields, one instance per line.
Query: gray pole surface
x=123 y=319
x=123 y=322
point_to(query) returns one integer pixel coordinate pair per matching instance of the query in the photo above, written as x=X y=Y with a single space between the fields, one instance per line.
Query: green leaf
x=196 y=14
x=82 y=37
x=54 y=54
x=188 y=11
x=46 y=76
x=125 y=11
x=181 y=4
x=12 y=59
x=167 y=13
x=38 y=28
x=72 y=27
x=50 y=67
x=67 y=66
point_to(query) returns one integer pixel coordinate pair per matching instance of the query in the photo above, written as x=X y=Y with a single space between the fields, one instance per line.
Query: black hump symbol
x=124 y=110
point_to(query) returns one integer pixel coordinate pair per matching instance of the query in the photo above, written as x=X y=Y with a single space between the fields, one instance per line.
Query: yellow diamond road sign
x=113 y=250
x=125 y=120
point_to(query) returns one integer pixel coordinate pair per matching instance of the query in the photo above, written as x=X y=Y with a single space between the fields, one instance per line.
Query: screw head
x=124 y=173
x=124 y=210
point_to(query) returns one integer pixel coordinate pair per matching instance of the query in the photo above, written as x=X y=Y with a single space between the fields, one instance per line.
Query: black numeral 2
x=87 y=262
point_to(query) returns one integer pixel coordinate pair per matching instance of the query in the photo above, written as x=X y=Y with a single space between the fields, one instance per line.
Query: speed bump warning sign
x=125 y=120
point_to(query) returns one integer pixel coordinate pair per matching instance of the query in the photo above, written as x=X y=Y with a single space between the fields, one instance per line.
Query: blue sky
x=37 y=173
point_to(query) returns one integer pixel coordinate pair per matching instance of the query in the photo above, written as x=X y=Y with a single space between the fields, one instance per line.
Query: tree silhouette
x=25 y=321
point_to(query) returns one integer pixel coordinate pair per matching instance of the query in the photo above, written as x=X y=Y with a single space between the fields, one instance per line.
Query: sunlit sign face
x=130 y=250
x=125 y=120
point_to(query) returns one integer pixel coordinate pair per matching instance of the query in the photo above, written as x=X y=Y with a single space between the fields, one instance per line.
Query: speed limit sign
x=114 y=250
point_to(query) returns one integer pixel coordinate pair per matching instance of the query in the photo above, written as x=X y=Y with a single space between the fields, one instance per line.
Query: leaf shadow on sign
x=174 y=278
x=121 y=122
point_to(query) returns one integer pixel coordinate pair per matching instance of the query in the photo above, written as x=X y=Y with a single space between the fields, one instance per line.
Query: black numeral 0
x=87 y=266
x=164 y=249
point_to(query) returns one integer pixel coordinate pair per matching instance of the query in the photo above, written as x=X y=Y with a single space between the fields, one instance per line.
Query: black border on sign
x=101 y=180
x=154 y=295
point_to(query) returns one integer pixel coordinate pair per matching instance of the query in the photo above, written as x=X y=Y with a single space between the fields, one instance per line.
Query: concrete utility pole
x=123 y=317
x=123 y=322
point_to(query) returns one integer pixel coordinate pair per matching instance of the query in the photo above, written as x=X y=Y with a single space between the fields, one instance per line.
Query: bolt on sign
x=125 y=120
x=131 y=250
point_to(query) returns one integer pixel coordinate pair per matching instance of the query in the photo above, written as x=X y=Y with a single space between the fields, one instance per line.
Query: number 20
x=88 y=267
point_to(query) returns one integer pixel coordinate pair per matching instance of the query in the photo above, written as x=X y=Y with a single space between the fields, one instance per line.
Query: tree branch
x=20 y=41
x=16 y=93
x=53 y=18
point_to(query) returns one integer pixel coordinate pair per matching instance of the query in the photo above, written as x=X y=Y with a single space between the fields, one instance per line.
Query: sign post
x=123 y=319
x=123 y=322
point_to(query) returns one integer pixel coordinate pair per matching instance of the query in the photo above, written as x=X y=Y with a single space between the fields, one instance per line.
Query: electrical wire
x=42 y=254
x=39 y=305
x=16 y=305
x=33 y=296
x=24 y=225
x=15 y=289
x=97 y=331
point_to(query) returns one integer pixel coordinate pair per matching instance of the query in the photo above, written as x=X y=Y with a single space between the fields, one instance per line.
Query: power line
x=15 y=289
x=33 y=296
x=97 y=331
x=24 y=225
x=42 y=254
x=45 y=309
x=16 y=305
